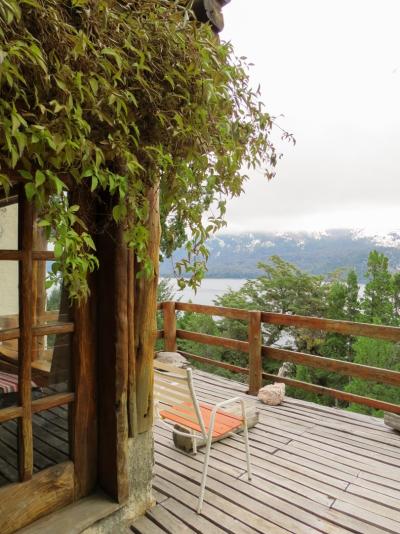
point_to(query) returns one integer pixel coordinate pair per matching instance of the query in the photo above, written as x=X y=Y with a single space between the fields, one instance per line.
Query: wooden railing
x=257 y=352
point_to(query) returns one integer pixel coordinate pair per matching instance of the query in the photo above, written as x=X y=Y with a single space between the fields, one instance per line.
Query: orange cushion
x=224 y=422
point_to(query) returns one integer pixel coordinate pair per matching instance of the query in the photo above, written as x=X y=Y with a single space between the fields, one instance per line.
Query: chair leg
x=247 y=447
x=194 y=444
x=204 y=476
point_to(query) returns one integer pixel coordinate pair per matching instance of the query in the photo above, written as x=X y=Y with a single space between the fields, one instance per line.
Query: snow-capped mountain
x=236 y=256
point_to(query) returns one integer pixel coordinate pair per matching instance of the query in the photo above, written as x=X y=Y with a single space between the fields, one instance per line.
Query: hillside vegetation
x=284 y=288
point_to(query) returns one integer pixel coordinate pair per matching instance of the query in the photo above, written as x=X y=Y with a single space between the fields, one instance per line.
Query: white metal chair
x=174 y=389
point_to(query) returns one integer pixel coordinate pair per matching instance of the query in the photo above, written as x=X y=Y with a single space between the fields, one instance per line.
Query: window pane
x=8 y=225
x=40 y=241
x=51 y=365
x=51 y=304
x=8 y=452
x=8 y=373
x=50 y=437
x=9 y=306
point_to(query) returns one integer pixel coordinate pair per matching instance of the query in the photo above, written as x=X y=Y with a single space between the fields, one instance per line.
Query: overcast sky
x=332 y=67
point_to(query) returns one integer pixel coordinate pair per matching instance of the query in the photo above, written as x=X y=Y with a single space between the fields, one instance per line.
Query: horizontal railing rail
x=257 y=352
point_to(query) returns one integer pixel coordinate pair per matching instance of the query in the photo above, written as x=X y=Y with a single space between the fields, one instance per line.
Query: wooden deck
x=315 y=469
x=50 y=443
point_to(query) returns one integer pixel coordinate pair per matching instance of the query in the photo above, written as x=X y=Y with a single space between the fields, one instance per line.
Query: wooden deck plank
x=215 y=507
x=170 y=523
x=144 y=525
x=267 y=505
x=315 y=468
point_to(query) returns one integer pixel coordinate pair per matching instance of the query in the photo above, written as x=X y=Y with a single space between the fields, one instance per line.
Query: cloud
x=330 y=68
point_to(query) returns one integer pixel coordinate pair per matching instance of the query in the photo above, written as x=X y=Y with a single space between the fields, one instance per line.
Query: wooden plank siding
x=315 y=469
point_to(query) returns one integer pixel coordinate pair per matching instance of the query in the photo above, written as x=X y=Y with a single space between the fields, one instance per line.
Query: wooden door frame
x=61 y=484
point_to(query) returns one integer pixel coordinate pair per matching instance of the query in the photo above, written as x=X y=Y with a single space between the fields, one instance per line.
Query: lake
x=215 y=287
x=210 y=289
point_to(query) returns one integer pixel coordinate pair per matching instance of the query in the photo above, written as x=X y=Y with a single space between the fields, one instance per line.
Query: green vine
x=116 y=96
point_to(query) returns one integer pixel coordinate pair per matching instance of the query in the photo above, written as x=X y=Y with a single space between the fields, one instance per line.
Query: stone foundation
x=141 y=461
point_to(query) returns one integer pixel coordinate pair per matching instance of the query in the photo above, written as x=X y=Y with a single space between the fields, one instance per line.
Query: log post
x=145 y=329
x=255 y=359
x=169 y=326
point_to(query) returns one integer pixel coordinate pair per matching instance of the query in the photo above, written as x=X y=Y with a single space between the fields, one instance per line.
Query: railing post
x=255 y=362
x=169 y=326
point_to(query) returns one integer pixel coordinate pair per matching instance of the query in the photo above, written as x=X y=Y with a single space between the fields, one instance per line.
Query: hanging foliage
x=116 y=96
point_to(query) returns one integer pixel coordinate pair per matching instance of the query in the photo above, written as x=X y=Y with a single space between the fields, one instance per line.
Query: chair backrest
x=173 y=386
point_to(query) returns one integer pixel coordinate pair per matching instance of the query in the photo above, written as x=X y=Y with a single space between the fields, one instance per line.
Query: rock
x=172 y=358
x=392 y=420
x=286 y=369
x=272 y=394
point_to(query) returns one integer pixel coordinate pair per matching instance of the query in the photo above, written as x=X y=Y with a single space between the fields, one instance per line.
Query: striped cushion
x=9 y=383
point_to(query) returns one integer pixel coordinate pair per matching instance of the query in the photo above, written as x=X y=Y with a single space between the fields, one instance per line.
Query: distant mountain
x=236 y=256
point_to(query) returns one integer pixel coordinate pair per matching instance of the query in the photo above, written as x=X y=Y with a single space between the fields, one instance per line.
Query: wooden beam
x=348 y=328
x=132 y=391
x=83 y=420
x=13 y=412
x=9 y=333
x=231 y=313
x=255 y=360
x=46 y=403
x=47 y=491
x=169 y=326
x=25 y=346
x=376 y=374
x=60 y=328
x=10 y=255
x=210 y=361
x=121 y=364
x=145 y=319
x=112 y=343
x=216 y=341
x=335 y=393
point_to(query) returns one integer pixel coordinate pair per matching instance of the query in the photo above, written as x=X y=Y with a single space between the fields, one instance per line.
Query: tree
x=377 y=304
x=89 y=103
x=376 y=353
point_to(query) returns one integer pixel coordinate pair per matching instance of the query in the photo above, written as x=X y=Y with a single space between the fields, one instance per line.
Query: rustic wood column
x=25 y=239
x=145 y=319
x=255 y=358
x=132 y=408
x=113 y=351
x=169 y=326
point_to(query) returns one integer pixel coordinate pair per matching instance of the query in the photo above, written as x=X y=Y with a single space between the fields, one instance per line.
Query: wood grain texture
x=169 y=326
x=232 y=313
x=83 y=412
x=112 y=344
x=376 y=374
x=216 y=341
x=335 y=393
x=216 y=363
x=10 y=255
x=132 y=407
x=84 y=409
x=9 y=333
x=25 y=502
x=255 y=360
x=315 y=469
x=389 y=333
x=46 y=403
x=47 y=330
x=13 y=412
x=121 y=365
x=145 y=319
x=25 y=347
